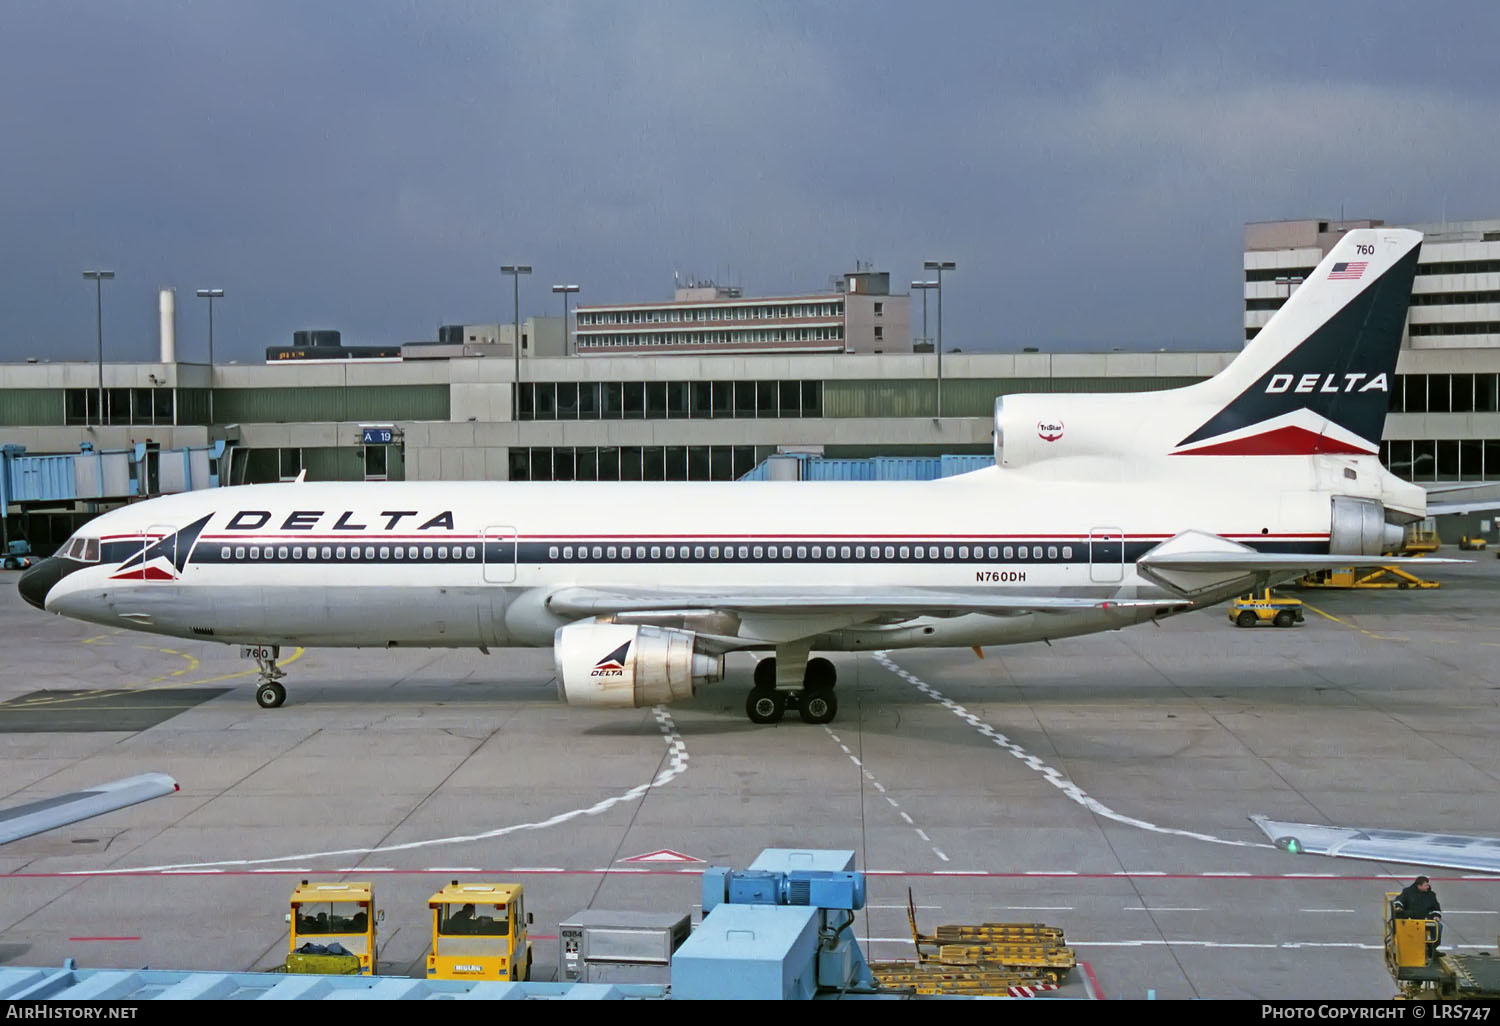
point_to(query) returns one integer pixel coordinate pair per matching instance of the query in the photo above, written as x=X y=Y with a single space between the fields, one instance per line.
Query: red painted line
x=103 y=938
x=1094 y=988
x=1218 y=877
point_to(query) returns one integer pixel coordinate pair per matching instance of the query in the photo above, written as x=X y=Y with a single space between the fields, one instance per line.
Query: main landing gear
x=269 y=694
x=812 y=696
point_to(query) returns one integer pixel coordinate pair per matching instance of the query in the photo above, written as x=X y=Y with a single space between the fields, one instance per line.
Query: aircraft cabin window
x=890 y=552
x=963 y=552
x=831 y=554
x=400 y=552
x=698 y=552
x=552 y=552
x=1036 y=552
x=385 y=552
x=859 y=552
x=671 y=552
x=994 y=552
x=598 y=552
x=1067 y=552
x=469 y=552
x=327 y=552
x=281 y=552
x=744 y=552
x=640 y=552
x=369 y=552
x=758 y=551
x=255 y=552
x=567 y=551
x=1009 y=552
x=338 y=553
x=844 y=552
x=296 y=551
x=947 y=551
x=225 y=552
x=905 y=552
x=312 y=552
x=443 y=552
x=426 y=551
x=874 y=551
x=802 y=552
x=610 y=552
x=1051 y=551
x=239 y=552
x=1021 y=552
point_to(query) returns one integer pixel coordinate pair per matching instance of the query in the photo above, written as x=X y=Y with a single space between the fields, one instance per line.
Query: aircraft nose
x=38 y=580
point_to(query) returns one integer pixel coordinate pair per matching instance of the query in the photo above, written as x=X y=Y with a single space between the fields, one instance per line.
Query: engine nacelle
x=623 y=666
x=1359 y=528
x=1033 y=428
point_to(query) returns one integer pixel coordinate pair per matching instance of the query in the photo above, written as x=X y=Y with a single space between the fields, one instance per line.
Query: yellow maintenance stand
x=1422 y=971
x=479 y=932
x=333 y=930
x=1367 y=577
x=982 y=959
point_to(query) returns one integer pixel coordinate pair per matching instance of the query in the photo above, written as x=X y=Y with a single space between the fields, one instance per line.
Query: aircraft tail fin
x=1317 y=378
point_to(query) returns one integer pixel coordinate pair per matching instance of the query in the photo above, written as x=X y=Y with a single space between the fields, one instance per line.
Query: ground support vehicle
x=1265 y=607
x=479 y=932
x=17 y=555
x=1422 y=970
x=1376 y=577
x=333 y=930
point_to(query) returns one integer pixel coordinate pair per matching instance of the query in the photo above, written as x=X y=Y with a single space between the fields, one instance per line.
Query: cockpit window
x=84 y=550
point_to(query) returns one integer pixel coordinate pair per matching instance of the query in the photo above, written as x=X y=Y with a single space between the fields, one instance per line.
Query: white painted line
x=1052 y=775
x=1325 y=910
x=923 y=835
x=939 y=854
x=1139 y=908
x=676 y=767
x=907 y=818
x=1033 y=908
x=1051 y=872
x=454 y=869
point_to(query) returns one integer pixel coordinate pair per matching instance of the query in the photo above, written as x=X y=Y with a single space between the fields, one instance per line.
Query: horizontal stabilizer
x=1451 y=851
x=1251 y=560
x=50 y=813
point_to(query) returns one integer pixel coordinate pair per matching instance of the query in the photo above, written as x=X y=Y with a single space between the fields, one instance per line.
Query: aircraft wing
x=50 y=813
x=1278 y=561
x=581 y=601
x=1441 y=509
x=1450 y=851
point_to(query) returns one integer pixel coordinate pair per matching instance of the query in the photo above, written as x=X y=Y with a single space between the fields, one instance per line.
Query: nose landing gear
x=812 y=697
x=269 y=694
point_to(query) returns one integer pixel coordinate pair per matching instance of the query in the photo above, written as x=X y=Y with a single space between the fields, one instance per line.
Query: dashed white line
x=865 y=772
x=1052 y=775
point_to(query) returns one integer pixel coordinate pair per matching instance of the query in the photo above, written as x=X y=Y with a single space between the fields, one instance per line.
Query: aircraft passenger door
x=1106 y=555
x=158 y=554
x=499 y=555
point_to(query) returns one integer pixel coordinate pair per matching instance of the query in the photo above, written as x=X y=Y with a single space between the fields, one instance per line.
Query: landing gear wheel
x=765 y=705
x=1245 y=619
x=820 y=673
x=270 y=695
x=1284 y=618
x=819 y=705
x=765 y=673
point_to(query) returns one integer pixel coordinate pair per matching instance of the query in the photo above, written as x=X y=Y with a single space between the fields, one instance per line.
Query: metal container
x=602 y=946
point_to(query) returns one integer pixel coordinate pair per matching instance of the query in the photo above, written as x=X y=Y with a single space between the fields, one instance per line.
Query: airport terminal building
x=653 y=412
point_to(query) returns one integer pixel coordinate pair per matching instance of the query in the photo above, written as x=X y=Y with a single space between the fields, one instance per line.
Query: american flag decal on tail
x=1348 y=271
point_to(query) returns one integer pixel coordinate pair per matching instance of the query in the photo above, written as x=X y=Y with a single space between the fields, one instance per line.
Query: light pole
x=924 y=286
x=515 y=271
x=939 y=266
x=565 y=289
x=98 y=278
x=210 y=295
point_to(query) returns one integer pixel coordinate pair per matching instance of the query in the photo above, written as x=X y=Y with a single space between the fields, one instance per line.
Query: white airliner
x=1103 y=511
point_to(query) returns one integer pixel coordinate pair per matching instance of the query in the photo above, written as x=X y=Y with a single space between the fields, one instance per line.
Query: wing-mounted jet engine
x=630 y=665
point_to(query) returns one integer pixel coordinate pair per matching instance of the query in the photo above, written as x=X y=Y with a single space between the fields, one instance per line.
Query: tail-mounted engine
x=1359 y=527
x=622 y=666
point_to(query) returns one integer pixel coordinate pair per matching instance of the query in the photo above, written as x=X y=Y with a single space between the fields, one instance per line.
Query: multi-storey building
x=861 y=316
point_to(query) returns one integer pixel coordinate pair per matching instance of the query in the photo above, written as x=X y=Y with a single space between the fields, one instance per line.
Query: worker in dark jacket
x=1420 y=901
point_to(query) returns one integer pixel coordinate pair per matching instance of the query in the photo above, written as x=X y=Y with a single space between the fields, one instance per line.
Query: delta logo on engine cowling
x=612 y=665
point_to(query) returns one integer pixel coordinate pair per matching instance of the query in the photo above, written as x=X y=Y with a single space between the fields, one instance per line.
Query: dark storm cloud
x=369 y=166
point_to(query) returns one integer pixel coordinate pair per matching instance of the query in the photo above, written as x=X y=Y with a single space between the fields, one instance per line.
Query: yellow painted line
x=99 y=637
x=86 y=696
x=189 y=668
x=1351 y=626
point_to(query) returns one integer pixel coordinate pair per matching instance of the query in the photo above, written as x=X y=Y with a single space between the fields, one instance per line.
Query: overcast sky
x=369 y=166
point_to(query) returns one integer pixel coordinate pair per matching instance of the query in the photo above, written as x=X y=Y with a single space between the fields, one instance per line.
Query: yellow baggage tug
x=479 y=933
x=333 y=929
